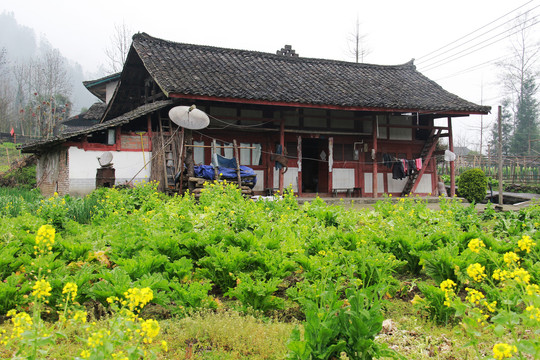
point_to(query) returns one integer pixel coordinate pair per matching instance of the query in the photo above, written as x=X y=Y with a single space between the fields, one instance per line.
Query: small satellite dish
x=105 y=159
x=189 y=117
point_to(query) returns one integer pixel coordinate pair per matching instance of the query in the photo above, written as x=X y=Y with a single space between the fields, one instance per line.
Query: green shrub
x=472 y=185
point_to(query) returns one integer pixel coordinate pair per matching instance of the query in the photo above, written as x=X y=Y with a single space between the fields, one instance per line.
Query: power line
x=453 y=57
x=465 y=36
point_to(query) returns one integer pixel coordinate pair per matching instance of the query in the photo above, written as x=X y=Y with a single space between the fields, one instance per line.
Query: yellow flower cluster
x=80 y=315
x=532 y=289
x=448 y=287
x=45 y=239
x=526 y=243
x=511 y=258
x=476 y=272
x=21 y=322
x=534 y=312
x=96 y=339
x=149 y=330
x=476 y=244
x=502 y=351
x=42 y=289
x=474 y=296
x=521 y=276
x=138 y=298
x=71 y=290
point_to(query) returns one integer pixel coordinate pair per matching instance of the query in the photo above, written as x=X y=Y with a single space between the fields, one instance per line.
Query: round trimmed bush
x=472 y=185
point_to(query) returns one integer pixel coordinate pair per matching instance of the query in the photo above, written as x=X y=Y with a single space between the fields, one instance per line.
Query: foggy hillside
x=22 y=45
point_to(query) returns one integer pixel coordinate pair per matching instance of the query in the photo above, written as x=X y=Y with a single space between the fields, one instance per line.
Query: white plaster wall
x=84 y=164
x=343 y=179
x=259 y=186
x=395 y=185
x=424 y=186
x=109 y=90
x=290 y=178
x=368 y=183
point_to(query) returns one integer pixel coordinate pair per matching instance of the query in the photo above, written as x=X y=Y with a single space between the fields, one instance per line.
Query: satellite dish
x=189 y=117
x=105 y=159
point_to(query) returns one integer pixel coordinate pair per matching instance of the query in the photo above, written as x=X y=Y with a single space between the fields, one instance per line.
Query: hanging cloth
x=418 y=164
x=449 y=156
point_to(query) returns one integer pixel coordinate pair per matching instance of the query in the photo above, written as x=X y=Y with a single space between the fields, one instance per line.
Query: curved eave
x=324 y=106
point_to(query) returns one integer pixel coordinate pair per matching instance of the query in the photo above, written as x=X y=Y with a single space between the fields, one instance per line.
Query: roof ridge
x=146 y=37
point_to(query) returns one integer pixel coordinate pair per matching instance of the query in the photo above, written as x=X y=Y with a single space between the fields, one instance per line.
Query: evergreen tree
x=526 y=134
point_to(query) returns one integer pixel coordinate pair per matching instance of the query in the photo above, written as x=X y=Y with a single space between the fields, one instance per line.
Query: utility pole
x=499 y=124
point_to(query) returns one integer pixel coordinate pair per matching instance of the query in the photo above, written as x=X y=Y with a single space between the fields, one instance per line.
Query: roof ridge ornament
x=287 y=50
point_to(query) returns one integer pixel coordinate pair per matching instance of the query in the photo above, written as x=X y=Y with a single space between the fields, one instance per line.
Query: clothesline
x=402 y=168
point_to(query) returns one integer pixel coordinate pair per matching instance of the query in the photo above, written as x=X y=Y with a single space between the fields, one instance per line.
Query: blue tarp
x=207 y=172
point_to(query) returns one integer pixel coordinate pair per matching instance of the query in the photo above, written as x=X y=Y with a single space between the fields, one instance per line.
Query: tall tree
x=519 y=80
x=117 y=51
x=357 y=43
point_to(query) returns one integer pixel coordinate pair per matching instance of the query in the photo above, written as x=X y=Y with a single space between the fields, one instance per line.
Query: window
x=250 y=154
x=198 y=153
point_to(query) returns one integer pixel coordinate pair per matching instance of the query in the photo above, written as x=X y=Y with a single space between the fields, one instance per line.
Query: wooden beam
x=282 y=143
x=316 y=106
x=375 y=130
x=452 y=163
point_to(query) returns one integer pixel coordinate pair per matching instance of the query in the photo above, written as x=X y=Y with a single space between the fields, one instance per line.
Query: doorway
x=314 y=165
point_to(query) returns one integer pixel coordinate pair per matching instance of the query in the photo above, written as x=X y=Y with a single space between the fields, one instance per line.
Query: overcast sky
x=396 y=31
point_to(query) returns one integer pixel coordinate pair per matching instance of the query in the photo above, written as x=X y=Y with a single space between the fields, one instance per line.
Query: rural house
x=322 y=127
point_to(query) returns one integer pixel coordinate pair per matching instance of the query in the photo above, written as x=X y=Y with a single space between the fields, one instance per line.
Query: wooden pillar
x=299 y=152
x=452 y=163
x=282 y=143
x=189 y=157
x=374 y=156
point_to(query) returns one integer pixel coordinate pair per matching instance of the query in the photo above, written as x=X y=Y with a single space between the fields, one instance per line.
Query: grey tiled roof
x=123 y=119
x=185 y=69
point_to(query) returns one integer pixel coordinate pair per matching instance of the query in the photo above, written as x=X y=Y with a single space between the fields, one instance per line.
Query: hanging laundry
x=418 y=164
x=405 y=169
x=411 y=167
x=388 y=160
x=398 y=171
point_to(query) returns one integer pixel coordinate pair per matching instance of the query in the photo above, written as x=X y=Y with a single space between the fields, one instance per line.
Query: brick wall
x=52 y=172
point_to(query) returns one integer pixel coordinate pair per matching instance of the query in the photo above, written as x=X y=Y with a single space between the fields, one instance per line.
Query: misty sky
x=396 y=31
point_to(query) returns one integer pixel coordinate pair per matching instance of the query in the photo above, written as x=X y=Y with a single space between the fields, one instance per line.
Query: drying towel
x=418 y=164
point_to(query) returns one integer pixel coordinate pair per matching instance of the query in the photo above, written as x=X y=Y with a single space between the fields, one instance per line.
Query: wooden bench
x=356 y=192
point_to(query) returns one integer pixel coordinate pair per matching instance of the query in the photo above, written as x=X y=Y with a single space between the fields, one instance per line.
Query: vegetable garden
x=132 y=273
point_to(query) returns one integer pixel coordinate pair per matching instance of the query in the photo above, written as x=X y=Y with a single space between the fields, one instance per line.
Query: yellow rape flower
x=526 y=243
x=21 y=322
x=85 y=354
x=448 y=287
x=80 y=315
x=502 y=351
x=534 y=312
x=511 y=257
x=499 y=274
x=521 y=275
x=476 y=272
x=138 y=298
x=42 y=288
x=532 y=289
x=476 y=244
x=45 y=238
x=164 y=346
x=474 y=296
x=71 y=290
x=150 y=329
